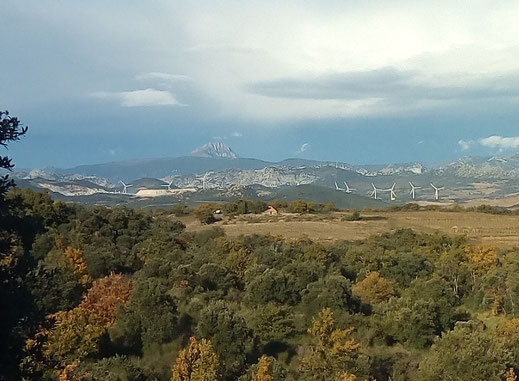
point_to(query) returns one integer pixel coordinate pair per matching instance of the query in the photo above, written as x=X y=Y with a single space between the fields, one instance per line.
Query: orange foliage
x=68 y=336
x=105 y=296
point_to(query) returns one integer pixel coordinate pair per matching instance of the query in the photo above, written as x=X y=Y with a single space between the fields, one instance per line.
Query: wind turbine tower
x=412 y=192
x=125 y=186
x=168 y=185
x=392 y=194
x=437 y=192
x=348 y=189
x=374 y=192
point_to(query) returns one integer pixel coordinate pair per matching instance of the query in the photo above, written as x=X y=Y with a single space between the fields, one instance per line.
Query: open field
x=481 y=228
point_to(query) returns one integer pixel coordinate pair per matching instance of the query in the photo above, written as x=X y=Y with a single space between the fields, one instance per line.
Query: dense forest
x=96 y=293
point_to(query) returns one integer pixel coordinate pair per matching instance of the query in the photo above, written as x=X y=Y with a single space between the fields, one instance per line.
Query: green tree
x=272 y=322
x=229 y=334
x=332 y=291
x=150 y=319
x=469 y=352
x=11 y=130
x=13 y=292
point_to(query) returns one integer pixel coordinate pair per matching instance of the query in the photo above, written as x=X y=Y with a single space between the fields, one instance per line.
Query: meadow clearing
x=486 y=229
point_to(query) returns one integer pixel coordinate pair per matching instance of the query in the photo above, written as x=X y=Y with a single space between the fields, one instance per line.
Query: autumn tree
x=266 y=369
x=68 y=336
x=264 y=372
x=105 y=296
x=510 y=375
x=374 y=288
x=197 y=362
x=77 y=263
x=332 y=352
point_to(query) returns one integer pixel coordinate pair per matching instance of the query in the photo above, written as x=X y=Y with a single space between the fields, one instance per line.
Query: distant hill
x=315 y=193
x=163 y=167
x=148 y=183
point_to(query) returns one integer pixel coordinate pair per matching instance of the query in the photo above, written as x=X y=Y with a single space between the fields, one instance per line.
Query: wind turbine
x=413 y=189
x=374 y=192
x=125 y=186
x=337 y=187
x=437 y=192
x=168 y=185
x=392 y=194
x=348 y=189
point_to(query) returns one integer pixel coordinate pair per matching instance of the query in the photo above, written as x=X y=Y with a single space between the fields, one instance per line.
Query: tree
x=10 y=131
x=332 y=291
x=266 y=369
x=228 y=332
x=13 y=291
x=272 y=322
x=333 y=351
x=469 y=352
x=264 y=372
x=150 y=319
x=197 y=362
x=69 y=336
x=374 y=289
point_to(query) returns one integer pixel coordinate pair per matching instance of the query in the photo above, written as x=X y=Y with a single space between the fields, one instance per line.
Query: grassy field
x=481 y=228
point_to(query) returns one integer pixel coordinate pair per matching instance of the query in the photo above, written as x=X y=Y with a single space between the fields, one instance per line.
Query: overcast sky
x=353 y=81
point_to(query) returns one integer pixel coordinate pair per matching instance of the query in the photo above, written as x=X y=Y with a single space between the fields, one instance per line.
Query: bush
x=355 y=216
x=205 y=214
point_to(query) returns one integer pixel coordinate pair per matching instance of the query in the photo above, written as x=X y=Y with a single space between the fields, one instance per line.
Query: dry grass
x=478 y=227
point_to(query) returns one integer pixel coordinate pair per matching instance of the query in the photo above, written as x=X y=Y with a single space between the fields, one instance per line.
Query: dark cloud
x=388 y=83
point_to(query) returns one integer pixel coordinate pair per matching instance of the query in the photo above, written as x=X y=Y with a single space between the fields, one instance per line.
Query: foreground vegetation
x=100 y=293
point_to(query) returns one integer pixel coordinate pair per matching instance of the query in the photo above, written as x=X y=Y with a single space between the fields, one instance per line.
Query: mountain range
x=216 y=166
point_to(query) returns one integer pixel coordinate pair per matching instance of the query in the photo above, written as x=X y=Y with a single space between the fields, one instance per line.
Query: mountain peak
x=215 y=150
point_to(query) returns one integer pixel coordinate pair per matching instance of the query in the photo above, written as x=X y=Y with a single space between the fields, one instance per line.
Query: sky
x=351 y=81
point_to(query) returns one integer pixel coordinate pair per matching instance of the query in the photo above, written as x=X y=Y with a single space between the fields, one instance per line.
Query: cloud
x=236 y=134
x=270 y=61
x=304 y=147
x=389 y=83
x=140 y=98
x=163 y=77
x=500 y=142
x=465 y=144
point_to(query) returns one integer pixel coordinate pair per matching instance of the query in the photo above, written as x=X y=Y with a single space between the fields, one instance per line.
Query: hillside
x=321 y=194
